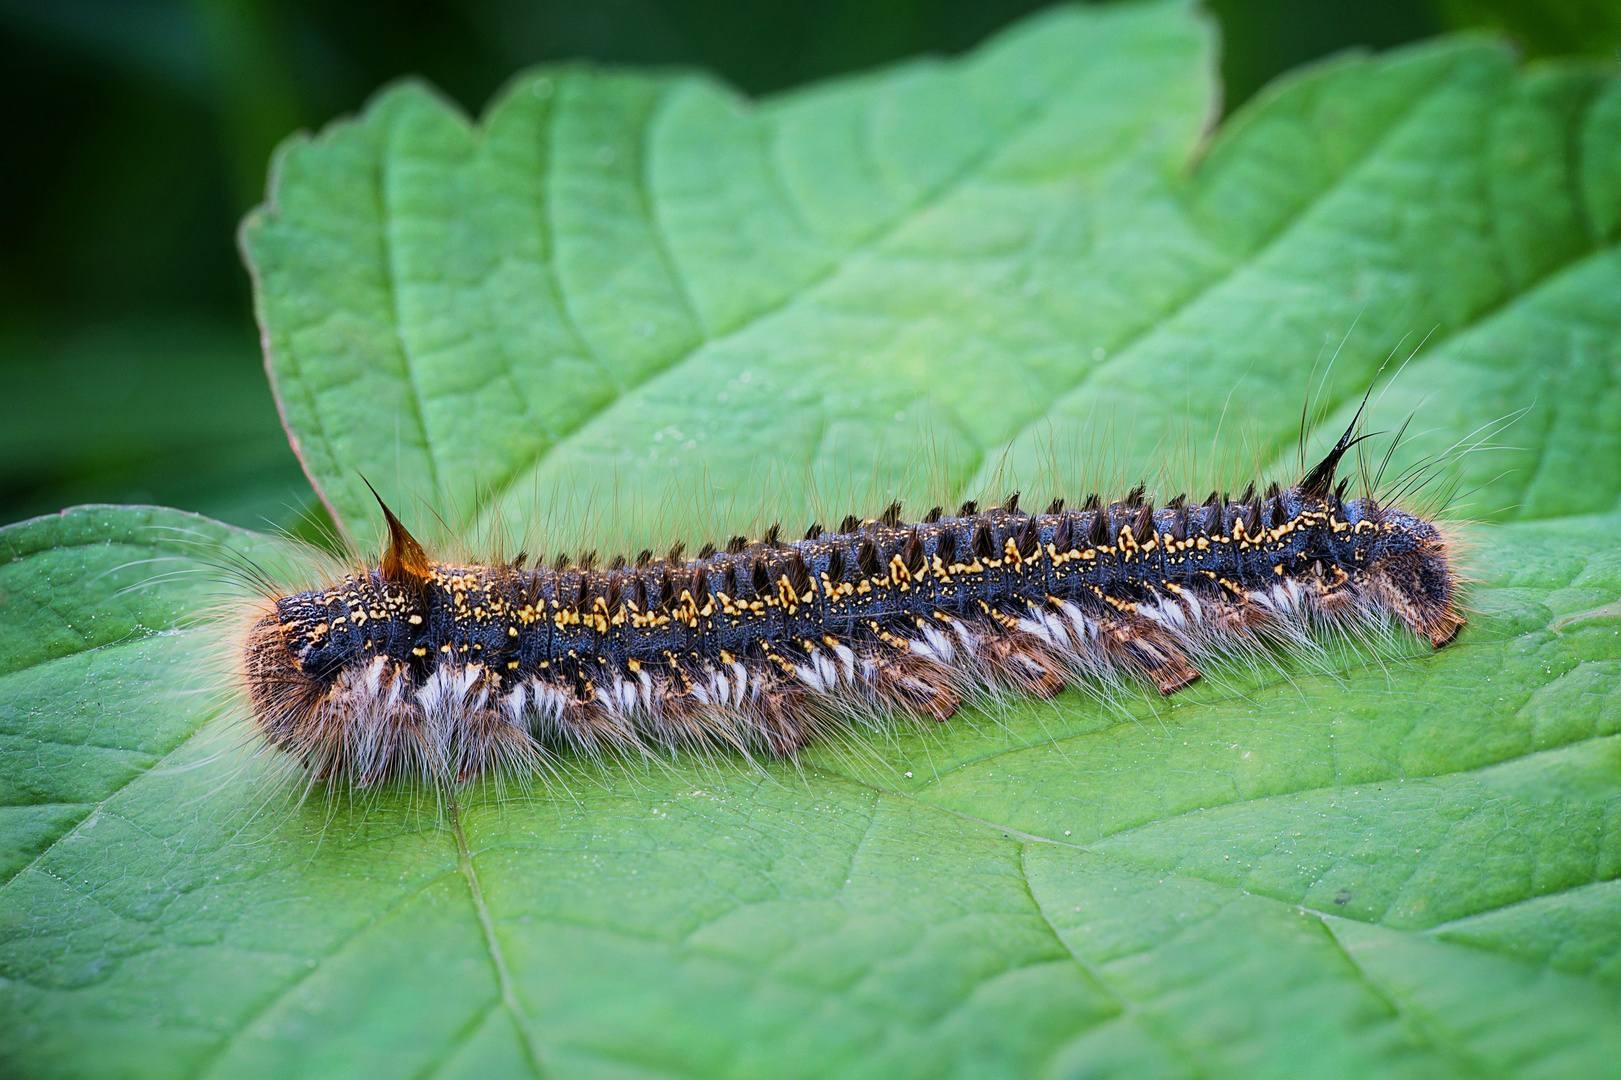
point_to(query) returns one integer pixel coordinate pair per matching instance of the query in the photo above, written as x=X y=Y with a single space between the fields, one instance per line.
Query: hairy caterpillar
x=416 y=668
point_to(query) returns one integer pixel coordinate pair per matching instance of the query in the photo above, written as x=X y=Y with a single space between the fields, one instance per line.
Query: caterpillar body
x=444 y=672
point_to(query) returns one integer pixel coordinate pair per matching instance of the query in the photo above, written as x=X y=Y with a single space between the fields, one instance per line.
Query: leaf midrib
x=534 y=1050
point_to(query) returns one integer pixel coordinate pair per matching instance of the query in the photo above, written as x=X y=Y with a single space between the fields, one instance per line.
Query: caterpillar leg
x=916 y=684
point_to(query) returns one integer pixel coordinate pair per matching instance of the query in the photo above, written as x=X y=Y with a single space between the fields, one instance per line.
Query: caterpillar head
x=1407 y=566
x=1410 y=571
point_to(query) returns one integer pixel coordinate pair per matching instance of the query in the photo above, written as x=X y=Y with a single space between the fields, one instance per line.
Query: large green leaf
x=620 y=285
x=631 y=284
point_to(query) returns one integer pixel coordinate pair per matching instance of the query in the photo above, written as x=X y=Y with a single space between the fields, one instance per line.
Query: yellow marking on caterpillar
x=898 y=574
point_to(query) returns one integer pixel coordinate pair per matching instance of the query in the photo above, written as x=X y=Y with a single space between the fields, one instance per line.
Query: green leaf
x=630 y=276
x=94 y=653
x=627 y=279
x=1357 y=865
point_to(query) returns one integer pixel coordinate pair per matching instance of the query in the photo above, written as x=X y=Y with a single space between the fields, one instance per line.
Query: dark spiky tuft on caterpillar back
x=443 y=672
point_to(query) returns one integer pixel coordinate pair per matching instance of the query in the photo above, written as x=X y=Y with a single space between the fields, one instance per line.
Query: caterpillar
x=413 y=668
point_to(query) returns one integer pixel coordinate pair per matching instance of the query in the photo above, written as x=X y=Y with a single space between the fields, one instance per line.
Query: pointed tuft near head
x=405 y=563
x=1319 y=482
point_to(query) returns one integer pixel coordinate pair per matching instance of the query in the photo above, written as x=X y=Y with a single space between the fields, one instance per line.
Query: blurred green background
x=138 y=132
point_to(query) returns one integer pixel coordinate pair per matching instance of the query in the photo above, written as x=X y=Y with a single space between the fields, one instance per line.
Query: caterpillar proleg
x=443 y=671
